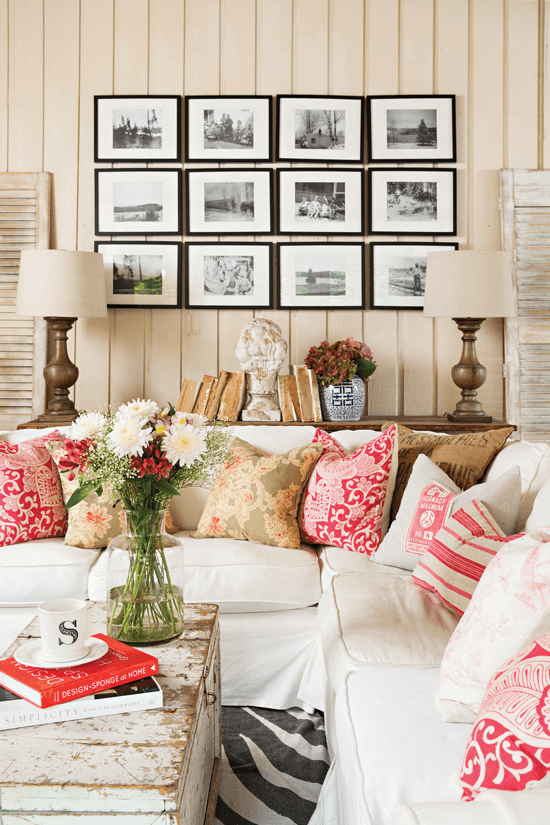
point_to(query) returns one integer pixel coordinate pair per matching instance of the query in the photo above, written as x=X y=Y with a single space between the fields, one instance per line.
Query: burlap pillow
x=256 y=496
x=464 y=456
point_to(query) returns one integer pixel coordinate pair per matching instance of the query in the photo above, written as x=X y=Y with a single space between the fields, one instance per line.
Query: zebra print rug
x=273 y=765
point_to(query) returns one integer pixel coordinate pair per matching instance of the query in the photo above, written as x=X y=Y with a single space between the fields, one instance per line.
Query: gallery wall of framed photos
x=260 y=198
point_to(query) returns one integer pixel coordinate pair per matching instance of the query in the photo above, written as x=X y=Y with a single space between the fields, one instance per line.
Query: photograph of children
x=411 y=129
x=229 y=201
x=320 y=129
x=320 y=202
x=320 y=275
x=228 y=129
x=412 y=201
x=229 y=275
x=137 y=128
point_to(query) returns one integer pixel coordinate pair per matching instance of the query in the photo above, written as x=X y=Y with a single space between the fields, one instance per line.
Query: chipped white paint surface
x=154 y=765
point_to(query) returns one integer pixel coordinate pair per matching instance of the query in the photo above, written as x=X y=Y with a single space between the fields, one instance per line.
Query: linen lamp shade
x=61 y=283
x=468 y=284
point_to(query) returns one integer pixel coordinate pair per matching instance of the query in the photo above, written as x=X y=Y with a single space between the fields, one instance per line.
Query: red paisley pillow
x=31 y=501
x=509 y=748
x=347 y=500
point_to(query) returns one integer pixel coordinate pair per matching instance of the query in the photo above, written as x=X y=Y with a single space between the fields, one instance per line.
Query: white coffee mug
x=64 y=629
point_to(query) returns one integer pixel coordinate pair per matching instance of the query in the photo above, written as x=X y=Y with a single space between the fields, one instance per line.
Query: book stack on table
x=120 y=681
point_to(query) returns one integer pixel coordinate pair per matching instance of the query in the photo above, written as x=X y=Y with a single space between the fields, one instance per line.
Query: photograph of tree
x=411 y=128
x=320 y=275
x=137 y=128
x=320 y=129
x=137 y=274
x=137 y=201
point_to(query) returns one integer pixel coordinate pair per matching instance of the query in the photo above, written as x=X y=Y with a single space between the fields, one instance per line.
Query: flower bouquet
x=143 y=456
x=341 y=361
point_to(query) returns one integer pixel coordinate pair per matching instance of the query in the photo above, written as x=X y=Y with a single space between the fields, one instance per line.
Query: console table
x=438 y=424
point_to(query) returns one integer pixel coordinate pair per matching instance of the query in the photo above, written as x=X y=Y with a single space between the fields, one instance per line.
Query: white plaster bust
x=261 y=350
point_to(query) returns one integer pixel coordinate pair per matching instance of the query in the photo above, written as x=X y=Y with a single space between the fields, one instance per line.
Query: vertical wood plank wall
x=56 y=54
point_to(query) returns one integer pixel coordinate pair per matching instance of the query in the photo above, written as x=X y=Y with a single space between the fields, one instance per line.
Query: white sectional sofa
x=323 y=627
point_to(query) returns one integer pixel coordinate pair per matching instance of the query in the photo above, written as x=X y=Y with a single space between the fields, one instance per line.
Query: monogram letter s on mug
x=64 y=629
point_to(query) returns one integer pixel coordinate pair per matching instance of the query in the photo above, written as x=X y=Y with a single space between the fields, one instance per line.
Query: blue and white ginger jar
x=343 y=402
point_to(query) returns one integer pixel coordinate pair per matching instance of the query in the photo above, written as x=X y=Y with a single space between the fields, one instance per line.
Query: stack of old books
x=120 y=681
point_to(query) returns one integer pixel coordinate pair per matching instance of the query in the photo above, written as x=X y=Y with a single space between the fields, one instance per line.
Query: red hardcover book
x=45 y=687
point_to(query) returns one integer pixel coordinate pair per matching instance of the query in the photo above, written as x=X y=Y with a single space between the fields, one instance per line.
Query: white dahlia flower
x=194 y=419
x=87 y=425
x=128 y=438
x=183 y=444
x=138 y=409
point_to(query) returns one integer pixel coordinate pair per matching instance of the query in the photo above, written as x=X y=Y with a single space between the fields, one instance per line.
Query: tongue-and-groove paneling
x=56 y=54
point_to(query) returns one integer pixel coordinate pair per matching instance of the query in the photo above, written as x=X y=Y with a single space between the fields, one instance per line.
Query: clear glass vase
x=144 y=581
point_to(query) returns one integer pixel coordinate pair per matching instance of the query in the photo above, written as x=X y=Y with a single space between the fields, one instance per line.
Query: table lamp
x=61 y=285
x=468 y=286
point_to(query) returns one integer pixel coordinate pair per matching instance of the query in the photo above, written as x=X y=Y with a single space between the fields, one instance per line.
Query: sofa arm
x=446 y=813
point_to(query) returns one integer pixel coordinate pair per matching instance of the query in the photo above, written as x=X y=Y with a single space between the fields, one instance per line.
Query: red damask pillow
x=509 y=748
x=348 y=496
x=31 y=501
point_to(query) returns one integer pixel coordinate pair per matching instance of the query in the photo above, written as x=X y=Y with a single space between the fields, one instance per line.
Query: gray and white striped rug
x=274 y=763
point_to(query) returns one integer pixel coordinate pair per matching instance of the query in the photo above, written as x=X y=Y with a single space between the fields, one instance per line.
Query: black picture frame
x=338 y=192
x=227 y=207
x=328 y=128
x=239 y=141
x=297 y=290
x=407 y=291
x=412 y=201
x=155 y=194
x=142 y=255
x=411 y=128
x=129 y=128
x=230 y=275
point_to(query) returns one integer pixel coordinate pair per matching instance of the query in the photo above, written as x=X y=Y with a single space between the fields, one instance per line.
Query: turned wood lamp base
x=469 y=375
x=60 y=374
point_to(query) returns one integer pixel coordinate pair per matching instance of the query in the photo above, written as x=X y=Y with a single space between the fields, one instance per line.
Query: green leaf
x=81 y=492
x=164 y=486
x=365 y=368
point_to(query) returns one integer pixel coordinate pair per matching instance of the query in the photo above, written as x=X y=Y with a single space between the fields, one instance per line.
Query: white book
x=143 y=694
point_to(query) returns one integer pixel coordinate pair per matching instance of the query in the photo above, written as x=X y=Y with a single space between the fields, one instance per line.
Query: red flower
x=76 y=456
x=152 y=462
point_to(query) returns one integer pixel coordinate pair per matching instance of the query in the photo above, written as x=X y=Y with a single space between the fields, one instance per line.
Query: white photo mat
x=165 y=181
x=200 y=264
x=289 y=221
x=169 y=108
x=442 y=222
x=383 y=257
x=170 y=253
x=260 y=108
x=295 y=258
x=443 y=108
x=353 y=129
x=197 y=223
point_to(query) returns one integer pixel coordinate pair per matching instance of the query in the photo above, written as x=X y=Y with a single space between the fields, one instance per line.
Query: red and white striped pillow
x=458 y=555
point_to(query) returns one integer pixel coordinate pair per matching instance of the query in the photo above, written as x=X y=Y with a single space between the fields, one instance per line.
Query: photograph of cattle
x=229 y=201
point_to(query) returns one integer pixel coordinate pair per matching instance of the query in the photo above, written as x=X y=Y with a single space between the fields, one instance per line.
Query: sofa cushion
x=533 y=460
x=458 y=555
x=240 y=576
x=31 y=502
x=510 y=608
x=256 y=497
x=378 y=619
x=35 y=571
x=501 y=497
x=334 y=560
x=347 y=499
x=463 y=456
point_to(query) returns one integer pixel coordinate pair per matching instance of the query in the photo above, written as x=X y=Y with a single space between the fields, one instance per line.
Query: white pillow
x=509 y=609
x=540 y=514
x=502 y=498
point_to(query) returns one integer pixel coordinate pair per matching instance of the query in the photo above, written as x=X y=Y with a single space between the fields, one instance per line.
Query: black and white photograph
x=222 y=202
x=407 y=128
x=228 y=276
x=412 y=201
x=146 y=274
x=315 y=128
x=138 y=202
x=314 y=276
x=137 y=127
x=398 y=273
x=320 y=202
x=228 y=128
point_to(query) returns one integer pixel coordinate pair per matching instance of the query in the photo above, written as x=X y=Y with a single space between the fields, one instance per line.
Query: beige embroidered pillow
x=257 y=496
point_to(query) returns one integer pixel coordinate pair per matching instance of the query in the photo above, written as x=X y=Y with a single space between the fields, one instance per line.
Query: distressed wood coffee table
x=160 y=766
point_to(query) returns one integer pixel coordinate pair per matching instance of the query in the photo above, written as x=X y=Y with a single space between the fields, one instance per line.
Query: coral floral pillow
x=31 y=502
x=347 y=498
x=509 y=748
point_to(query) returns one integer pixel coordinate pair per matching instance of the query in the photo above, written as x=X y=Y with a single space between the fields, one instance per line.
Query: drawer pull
x=210 y=698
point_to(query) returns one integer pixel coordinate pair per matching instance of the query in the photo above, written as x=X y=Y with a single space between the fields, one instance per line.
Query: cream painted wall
x=56 y=54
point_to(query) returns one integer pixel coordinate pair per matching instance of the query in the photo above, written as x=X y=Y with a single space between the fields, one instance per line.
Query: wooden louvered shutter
x=24 y=224
x=525 y=204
